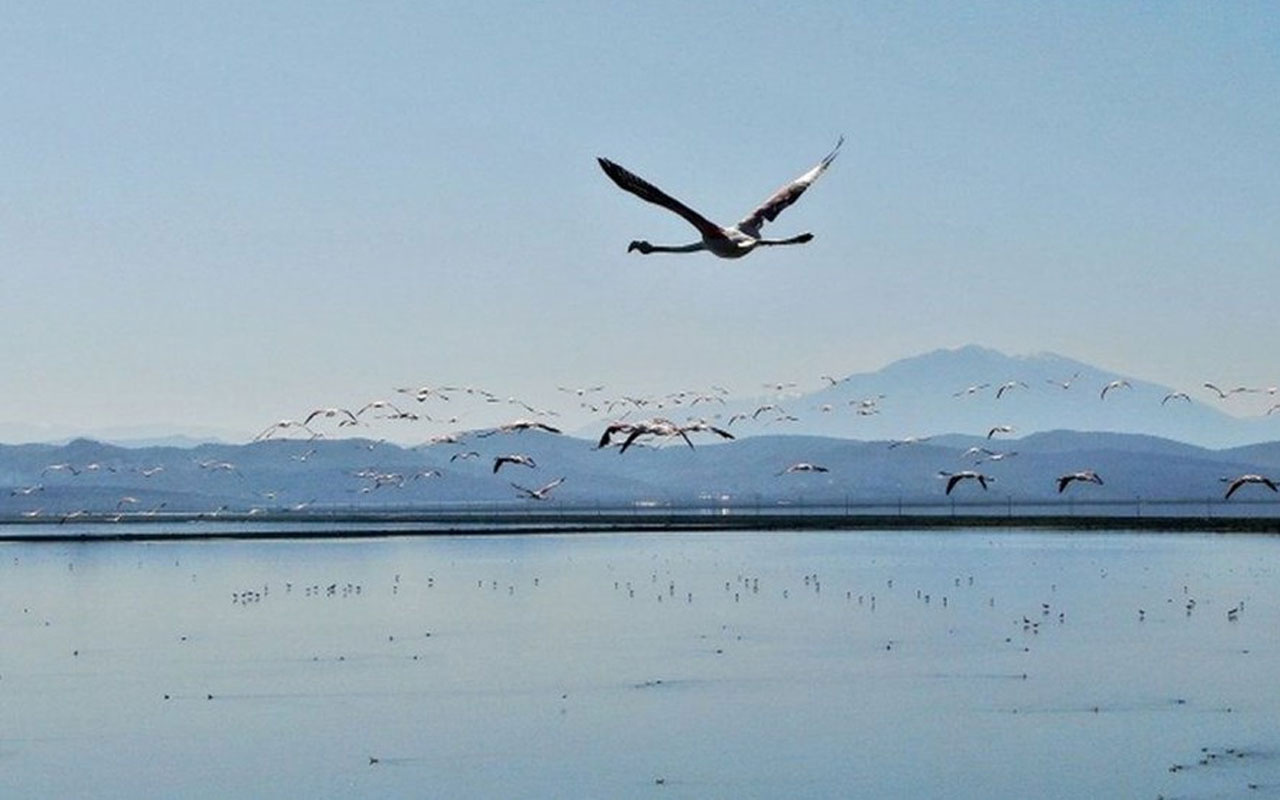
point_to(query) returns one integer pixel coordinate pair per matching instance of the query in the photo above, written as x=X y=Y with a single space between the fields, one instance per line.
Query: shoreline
x=89 y=528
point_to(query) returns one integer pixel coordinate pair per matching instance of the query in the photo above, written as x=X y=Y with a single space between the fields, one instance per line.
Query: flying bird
x=421 y=393
x=654 y=427
x=955 y=477
x=345 y=416
x=513 y=458
x=983 y=454
x=803 y=466
x=518 y=426
x=974 y=389
x=1084 y=476
x=1063 y=384
x=1004 y=387
x=1114 y=385
x=702 y=426
x=541 y=493
x=999 y=429
x=1223 y=394
x=1236 y=483
x=283 y=424
x=1176 y=396
x=731 y=242
x=379 y=405
x=908 y=440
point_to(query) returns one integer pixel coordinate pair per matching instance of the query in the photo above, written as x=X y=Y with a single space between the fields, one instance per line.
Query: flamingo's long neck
x=646 y=248
x=801 y=239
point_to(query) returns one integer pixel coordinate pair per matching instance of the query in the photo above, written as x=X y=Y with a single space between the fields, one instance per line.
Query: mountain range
x=881 y=437
x=357 y=474
x=938 y=392
x=926 y=394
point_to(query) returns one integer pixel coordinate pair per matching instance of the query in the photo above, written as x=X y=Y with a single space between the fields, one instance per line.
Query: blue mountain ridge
x=270 y=476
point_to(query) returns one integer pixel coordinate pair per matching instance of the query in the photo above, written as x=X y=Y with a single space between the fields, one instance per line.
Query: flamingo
x=1084 y=476
x=1236 y=483
x=1004 y=387
x=974 y=389
x=1121 y=384
x=1223 y=394
x=346 y=417
x=518 y=426
x=541 y=493
x=702 y=426
x=513 y=458
x=283 y=424
x=731 y=242
x=955 y=477
x=379 y=405
x=1063 y=384
x=803 y=466
x=421 y=393
x=653 y=427
x=909 y=440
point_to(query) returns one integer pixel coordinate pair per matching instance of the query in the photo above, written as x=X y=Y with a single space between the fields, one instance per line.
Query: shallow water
x=846 y=664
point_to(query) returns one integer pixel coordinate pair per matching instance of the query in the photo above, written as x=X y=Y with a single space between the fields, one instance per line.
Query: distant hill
x=936 y=393
x=360 y=474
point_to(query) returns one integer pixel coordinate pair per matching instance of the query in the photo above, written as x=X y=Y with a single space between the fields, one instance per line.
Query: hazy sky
x=222 y=214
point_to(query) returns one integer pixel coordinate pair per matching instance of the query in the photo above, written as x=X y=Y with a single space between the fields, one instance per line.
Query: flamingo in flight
x=734 y=241
x=955 y=477
x=1236 y=483
x=541 y=493
x=1084 y=476
x=1121 y=384
x=803 y=466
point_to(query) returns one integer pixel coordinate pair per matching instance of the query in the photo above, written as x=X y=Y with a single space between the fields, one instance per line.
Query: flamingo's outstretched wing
x=769 y=210
x=630 y=182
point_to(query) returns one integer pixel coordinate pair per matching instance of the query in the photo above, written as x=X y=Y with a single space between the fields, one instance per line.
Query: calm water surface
x=852 y=664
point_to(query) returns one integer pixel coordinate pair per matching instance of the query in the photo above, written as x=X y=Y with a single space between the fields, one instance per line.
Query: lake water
x=974 y=664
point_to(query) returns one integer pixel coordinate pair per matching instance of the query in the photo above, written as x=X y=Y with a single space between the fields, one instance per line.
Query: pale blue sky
x=220 y=214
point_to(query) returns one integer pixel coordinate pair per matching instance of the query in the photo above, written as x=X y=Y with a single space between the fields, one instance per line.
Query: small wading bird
x=541 y=493
x=1084 y=476
x=955 y=477
x=731 y=242
x=1236 y=483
